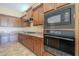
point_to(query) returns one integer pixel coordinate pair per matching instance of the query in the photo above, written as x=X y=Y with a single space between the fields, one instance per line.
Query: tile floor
x=15 y=49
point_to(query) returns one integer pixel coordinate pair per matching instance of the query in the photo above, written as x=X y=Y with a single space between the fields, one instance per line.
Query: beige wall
x=10 y=12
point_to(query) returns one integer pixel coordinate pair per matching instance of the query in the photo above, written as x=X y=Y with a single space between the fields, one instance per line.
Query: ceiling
x=21 y=7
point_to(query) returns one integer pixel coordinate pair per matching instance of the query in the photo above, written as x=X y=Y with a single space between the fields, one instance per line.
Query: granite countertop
x=37 y=34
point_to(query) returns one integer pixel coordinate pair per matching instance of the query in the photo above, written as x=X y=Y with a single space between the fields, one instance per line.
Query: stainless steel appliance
x=59 y=35
x=60 y=18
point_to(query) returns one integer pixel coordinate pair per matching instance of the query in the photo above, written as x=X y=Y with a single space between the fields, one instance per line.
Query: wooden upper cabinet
x=15 y=23
x=18 y=22
x=53 y=6
x=11 y=22
x=38 y=15
x=48 y=6
x=3 y=21
x=26 y=17
x=59 y=5
x=24 y=23
x=35 y=17
x=41 y=15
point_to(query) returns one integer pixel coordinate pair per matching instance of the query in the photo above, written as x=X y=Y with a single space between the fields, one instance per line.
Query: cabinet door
x=59 y=5
x=15 y=23
x=31 y=42
x=35 y=17
x=48 y=6
x=24 y=40
x=21 y=38
x=38 y=15
x=18 y=22
x=27 y=41
x=4 y=21
x=35 y=45
x=11 y=22
x=38 y=46
x=23 y=23
x=41 y=16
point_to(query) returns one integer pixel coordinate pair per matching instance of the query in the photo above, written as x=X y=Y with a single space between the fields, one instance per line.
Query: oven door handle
x=59 y=37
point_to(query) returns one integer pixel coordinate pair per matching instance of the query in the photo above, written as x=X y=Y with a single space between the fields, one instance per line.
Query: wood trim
x=65 y=4
x=37 y=6
x=77 y=29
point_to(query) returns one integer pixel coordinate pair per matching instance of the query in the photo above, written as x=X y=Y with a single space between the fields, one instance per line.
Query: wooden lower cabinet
x=38 y=46
x=29 y=42
x=35 y=44
x=20 y=38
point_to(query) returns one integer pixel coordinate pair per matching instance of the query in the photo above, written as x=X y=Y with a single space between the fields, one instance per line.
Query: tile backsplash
x=34 y=29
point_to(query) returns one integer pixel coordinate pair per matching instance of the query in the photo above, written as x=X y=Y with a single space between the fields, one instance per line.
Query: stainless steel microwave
x=59 y=18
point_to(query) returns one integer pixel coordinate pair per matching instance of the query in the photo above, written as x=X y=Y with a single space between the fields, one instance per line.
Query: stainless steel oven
x=59 y=46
